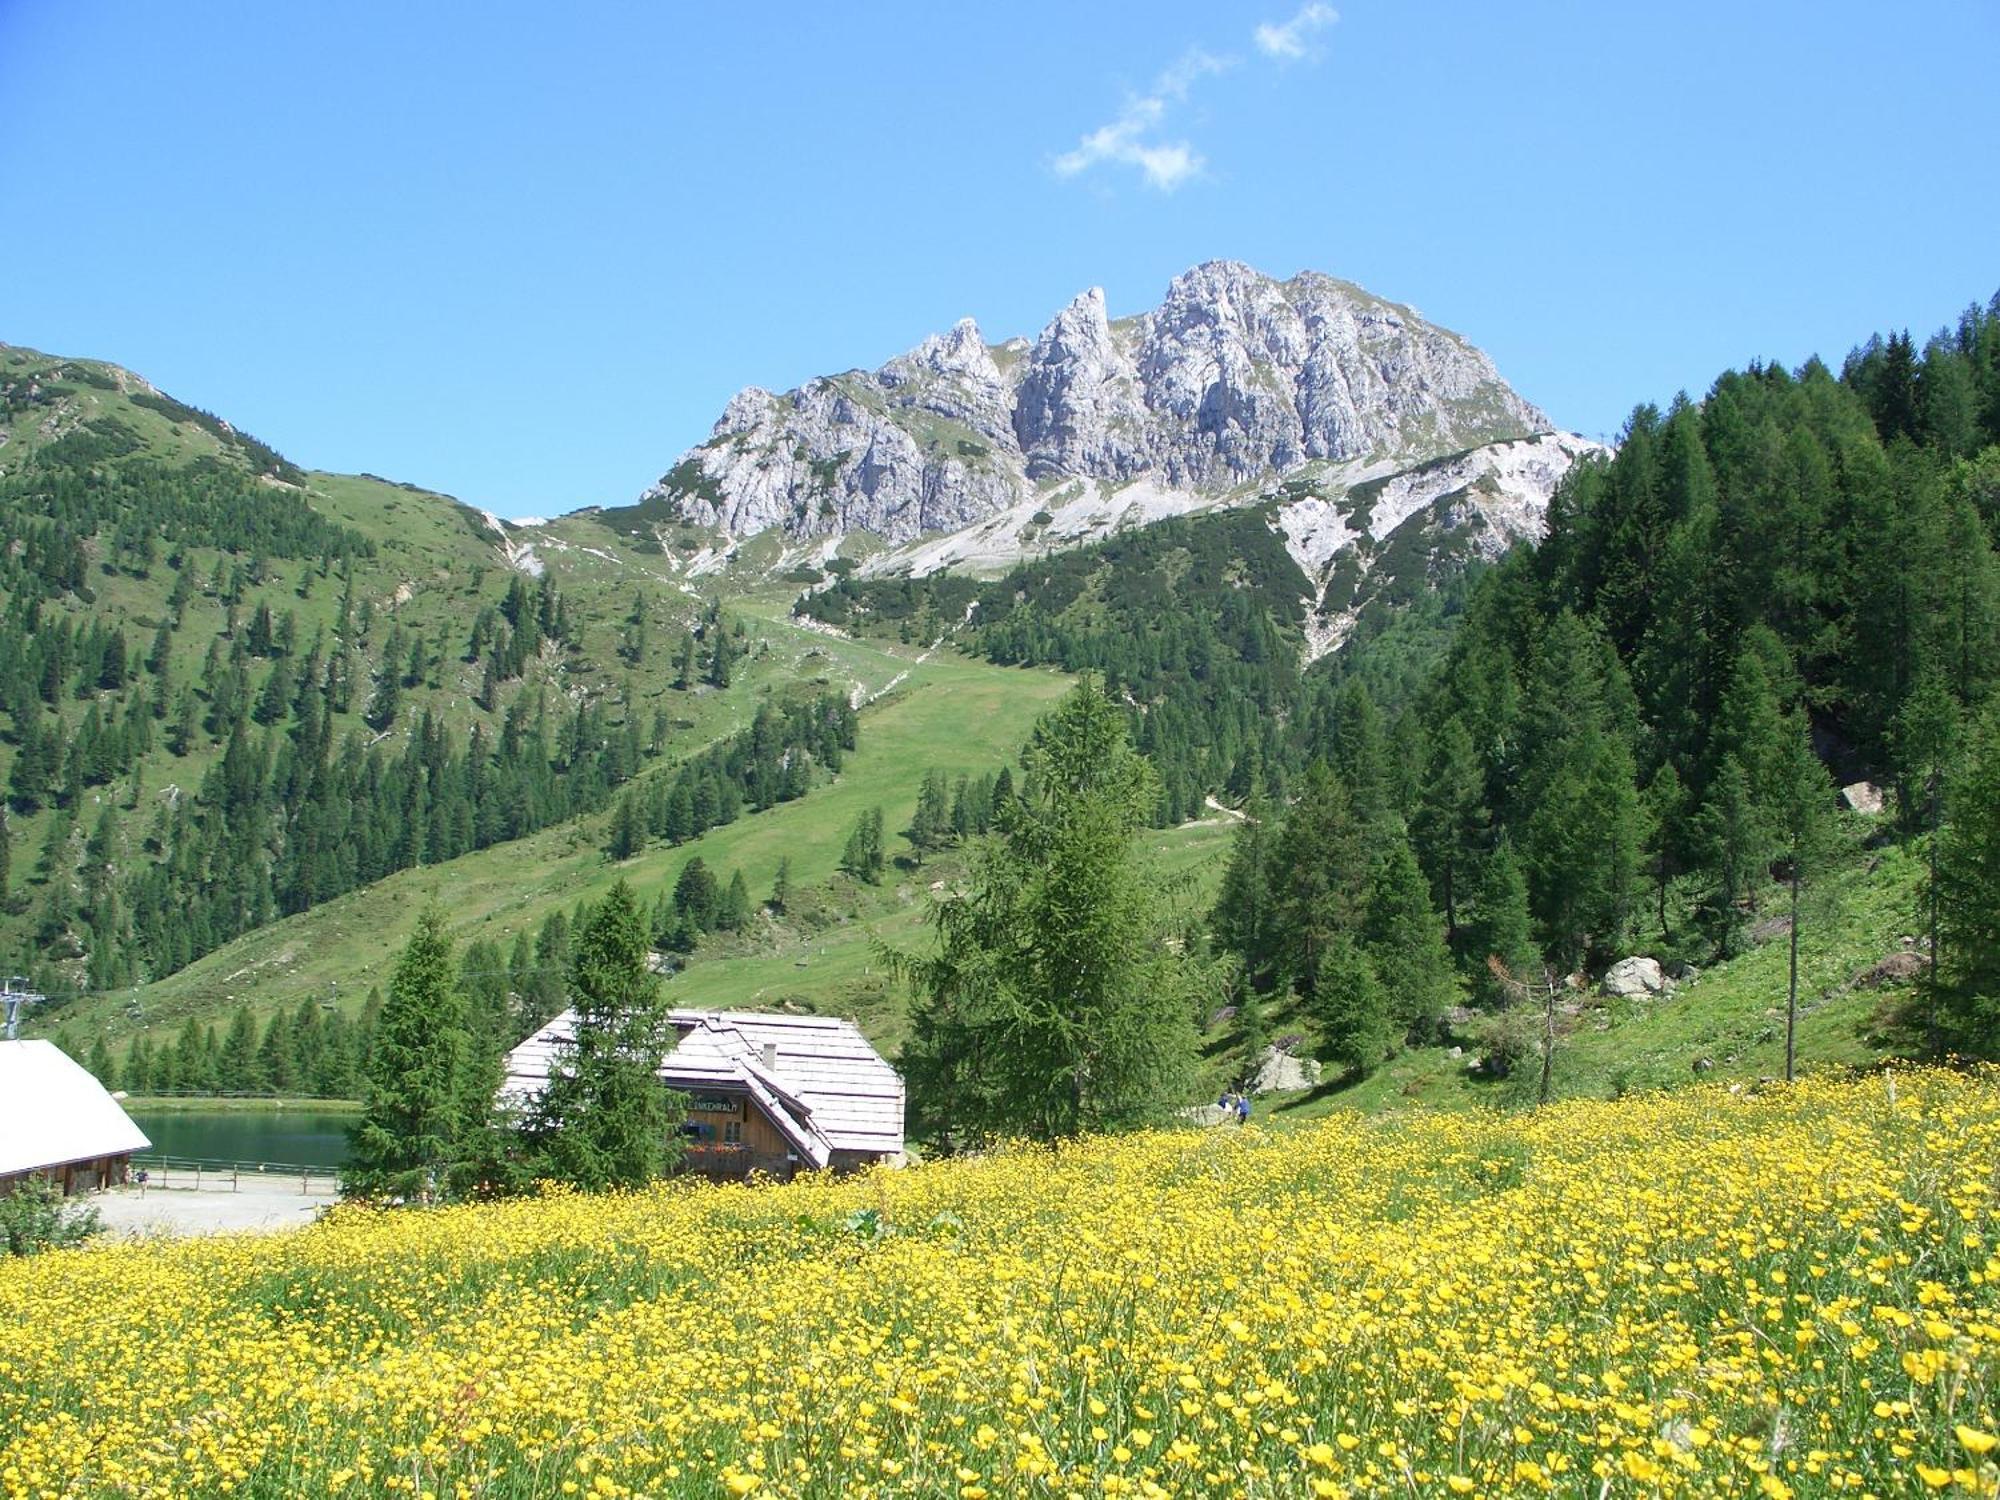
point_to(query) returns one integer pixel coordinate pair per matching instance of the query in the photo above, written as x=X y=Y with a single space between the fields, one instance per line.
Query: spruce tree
x=1448 y=816
x=239 y=1054
x=930 y=826
x=605 y=1120
x=781 y=886
x=1502 y=930
x=1350 y=1009
x=1735 y=838
x=1967 y=969
x=1403 y=936
x=863 y=857
x=101 y=1066
x=1320 y=878
x=413 y=1136
x=1242 y=922
x=735 y=904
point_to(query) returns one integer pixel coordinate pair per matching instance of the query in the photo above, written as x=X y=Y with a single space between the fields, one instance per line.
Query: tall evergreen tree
x=413 y=1137
x=1502 y=928
x=1967 y=965
x=930 y=826
x=1242 y=921
x=1803 y=810
x=1403 y=938
x=1053 y=1002
x=606 y=1120
x=1350 y=1009
x=1320 y=878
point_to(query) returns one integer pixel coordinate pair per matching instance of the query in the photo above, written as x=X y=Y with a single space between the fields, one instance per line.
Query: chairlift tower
x=14 y=995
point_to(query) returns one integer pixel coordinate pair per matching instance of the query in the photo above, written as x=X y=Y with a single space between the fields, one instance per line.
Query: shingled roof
x=815 y=1077
x=53 y=1112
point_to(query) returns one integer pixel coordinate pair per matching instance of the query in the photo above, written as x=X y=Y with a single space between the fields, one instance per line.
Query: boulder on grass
x=1635 y=978
x=1862 y=797
x=1281 y=1072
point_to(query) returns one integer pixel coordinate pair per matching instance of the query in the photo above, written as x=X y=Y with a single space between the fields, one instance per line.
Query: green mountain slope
x=197 y=642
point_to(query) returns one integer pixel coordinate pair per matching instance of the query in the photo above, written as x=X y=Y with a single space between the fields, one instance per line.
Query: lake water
x=292 y=1137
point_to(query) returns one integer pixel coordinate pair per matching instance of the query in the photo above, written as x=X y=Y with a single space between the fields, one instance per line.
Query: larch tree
x=1802 y=817
x=1061 y=993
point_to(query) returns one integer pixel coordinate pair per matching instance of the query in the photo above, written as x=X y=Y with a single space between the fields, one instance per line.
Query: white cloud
x=1137 y=137
x=1128 y=139
x=1292 y=40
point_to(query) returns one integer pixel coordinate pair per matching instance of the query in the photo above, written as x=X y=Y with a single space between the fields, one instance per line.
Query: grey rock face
x=1233 y=379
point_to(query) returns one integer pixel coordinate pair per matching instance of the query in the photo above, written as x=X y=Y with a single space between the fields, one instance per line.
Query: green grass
x=1730 y=1018
x=182 y=1104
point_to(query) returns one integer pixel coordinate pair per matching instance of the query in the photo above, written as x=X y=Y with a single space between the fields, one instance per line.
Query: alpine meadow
x=1207 y=898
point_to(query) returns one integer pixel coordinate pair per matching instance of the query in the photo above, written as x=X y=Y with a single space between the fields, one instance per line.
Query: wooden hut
x=766 y=1093
x=57 y=1122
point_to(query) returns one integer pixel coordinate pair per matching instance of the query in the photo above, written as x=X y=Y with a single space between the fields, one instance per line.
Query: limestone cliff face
x=1234 y=380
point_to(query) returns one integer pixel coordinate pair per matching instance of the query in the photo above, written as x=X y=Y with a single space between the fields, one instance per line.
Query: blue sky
x=524 y=253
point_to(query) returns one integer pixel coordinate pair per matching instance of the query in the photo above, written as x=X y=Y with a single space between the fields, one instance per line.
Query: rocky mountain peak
x=1234 y=381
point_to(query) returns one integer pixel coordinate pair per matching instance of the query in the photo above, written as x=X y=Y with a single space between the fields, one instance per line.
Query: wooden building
x=57 y=1122
x=766 y=1093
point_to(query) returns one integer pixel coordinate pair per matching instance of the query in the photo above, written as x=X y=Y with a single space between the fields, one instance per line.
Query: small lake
x=291 y=1137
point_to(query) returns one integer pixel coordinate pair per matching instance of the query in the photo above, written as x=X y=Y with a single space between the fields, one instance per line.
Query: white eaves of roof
x=52 y=1111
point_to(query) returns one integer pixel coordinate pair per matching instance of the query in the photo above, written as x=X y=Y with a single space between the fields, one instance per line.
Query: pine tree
x=1251 y=1031
x=1735 y=837
x=413 y=1137
x=781 y=886
x=1360 y=752
x=605 y=1120
x=388 y=698
x=239 y=1055
x=101 y=1066
x=1448 y=816
x=735 y=904
x=1320 y=878
x=863 y=857
x=628 y=829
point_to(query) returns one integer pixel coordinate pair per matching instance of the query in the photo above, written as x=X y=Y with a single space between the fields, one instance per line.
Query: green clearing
x=1731 y=1017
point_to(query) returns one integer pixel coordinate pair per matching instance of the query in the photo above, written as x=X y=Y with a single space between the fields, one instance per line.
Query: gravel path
x=171 y=1213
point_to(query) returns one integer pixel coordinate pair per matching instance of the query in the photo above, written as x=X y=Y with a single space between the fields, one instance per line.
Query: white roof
x=825 y=1087
x=53 y=1112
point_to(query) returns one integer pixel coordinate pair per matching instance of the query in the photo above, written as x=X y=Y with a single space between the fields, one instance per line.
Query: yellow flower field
x=1696 y=1294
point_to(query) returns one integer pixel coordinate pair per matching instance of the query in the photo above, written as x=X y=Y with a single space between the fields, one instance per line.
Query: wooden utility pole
x=1792 y=976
